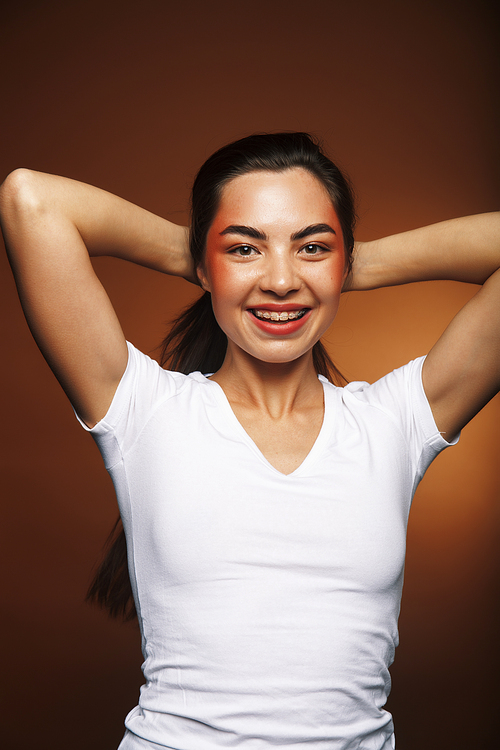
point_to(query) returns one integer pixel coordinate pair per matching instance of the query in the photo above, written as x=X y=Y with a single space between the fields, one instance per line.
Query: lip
x=279 y=329
x=279 y=307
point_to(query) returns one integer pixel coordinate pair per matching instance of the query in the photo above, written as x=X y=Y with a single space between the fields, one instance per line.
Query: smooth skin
x=52 y=225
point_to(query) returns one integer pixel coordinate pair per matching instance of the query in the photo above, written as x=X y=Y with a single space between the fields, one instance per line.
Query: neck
x=273 y=388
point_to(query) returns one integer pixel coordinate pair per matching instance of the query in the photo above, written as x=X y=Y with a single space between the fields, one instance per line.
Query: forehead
x=261 y=198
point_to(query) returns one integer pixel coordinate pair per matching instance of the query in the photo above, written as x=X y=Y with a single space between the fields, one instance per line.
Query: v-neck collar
x=318 y=445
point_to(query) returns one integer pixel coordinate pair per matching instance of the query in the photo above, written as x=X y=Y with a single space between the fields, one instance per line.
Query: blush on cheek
x=218 y=271
x=212 y=271
x=225 y=279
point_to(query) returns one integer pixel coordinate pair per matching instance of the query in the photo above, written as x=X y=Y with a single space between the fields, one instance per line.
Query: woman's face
x=274 y=264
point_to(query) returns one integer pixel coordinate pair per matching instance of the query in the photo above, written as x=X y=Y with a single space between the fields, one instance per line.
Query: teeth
x=282 y=316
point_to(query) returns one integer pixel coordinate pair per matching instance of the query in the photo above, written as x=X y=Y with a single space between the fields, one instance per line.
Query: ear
x=202 y=278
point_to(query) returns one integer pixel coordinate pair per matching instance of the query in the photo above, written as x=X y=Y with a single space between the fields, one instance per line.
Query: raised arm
x=51 y=226
x=462 y=371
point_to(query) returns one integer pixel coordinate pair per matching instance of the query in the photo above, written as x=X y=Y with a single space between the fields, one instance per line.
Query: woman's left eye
x=243 y=250
x=313 y=249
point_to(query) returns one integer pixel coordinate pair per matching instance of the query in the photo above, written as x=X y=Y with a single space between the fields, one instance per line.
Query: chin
x=281 y=356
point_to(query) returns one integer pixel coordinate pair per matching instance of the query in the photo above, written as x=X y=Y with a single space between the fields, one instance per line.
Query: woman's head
x=196 y=341
x=273 y=152
x=275 y=249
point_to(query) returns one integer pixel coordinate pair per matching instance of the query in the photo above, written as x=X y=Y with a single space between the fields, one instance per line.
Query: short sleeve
x=143 y=386
x=401 y=396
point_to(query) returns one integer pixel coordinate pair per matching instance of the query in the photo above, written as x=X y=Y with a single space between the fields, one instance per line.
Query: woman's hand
x=51 y=226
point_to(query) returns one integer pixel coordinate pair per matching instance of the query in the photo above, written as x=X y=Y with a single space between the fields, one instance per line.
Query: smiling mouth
x=279 y=317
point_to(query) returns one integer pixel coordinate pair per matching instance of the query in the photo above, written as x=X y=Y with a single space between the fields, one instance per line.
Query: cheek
x=327 y=280
x=215 y=275
x=226 y=294
x=227 y=280
x=218 y=273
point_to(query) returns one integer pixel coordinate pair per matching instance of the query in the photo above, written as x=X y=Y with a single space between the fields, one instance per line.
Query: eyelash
x=314 y=244
x=236 y=251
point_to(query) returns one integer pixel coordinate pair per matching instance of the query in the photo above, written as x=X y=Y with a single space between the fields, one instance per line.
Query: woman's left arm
x=462 y=371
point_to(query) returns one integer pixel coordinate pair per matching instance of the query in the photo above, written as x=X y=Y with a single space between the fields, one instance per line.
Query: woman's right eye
x=243 y=250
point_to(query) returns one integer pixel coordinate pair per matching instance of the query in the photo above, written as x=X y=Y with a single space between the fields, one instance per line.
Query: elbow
x=21 y=203
x=21 y=193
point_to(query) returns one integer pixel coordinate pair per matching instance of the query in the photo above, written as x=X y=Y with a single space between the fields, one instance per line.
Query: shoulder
x=398 y=396
x=143 y=388
x=400 y=385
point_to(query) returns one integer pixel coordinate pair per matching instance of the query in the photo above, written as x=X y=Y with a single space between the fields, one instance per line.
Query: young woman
x=264 y=507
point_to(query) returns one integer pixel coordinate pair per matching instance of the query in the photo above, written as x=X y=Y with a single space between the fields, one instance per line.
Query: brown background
x=132 y=96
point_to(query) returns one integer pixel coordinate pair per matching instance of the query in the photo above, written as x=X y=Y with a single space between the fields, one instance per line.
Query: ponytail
x=195 y=342
x=110 y=587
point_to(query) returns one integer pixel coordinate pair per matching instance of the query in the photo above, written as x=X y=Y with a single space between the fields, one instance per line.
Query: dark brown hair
x=195 y=341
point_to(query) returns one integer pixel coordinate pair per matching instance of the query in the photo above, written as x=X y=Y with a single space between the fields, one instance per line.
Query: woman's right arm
x=51 y=226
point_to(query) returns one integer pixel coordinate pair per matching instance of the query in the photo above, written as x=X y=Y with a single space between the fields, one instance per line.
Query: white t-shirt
x=268 y=603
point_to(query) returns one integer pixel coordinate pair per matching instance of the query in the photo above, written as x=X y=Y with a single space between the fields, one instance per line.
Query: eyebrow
x=313 y=229
x=256 y=234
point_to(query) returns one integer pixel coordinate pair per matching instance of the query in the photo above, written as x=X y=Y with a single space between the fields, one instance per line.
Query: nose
x=280 y=275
